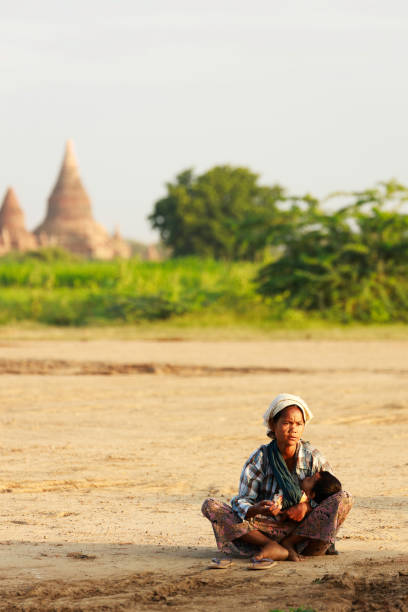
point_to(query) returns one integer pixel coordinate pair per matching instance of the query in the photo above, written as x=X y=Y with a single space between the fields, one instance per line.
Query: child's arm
x=297 y=513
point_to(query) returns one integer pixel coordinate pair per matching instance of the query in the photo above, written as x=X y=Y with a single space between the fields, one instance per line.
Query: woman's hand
x=297 y=513
x=265 y=507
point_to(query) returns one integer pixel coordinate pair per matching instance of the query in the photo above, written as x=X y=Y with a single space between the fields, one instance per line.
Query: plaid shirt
x=258 y=482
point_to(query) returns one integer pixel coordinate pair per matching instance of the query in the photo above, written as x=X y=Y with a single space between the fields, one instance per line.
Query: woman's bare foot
x=272 y=550
x=293 y=555
x=269 y=549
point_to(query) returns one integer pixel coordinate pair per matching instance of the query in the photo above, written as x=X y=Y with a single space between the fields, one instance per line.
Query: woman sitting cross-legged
x=271 y=518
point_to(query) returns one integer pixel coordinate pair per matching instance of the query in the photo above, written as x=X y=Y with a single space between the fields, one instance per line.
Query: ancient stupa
x=69 y=222
x=13 y=233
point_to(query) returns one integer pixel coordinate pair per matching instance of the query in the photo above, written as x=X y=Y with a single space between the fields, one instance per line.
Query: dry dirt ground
x=109 y=447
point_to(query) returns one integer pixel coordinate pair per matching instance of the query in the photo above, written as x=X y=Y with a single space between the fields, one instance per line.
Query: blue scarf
x=288 y=482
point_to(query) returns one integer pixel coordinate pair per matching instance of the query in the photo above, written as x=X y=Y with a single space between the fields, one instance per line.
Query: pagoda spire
x=69 y=201
x=70 y=157
x=69 y=221
x=12 y=223
x=11 y=213
x=69 y=167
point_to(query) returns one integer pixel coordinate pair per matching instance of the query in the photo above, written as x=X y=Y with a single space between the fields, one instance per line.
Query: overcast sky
x=310 y=94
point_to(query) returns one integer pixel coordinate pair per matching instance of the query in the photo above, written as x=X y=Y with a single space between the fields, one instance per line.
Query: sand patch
x=385 y=591
x=114 y=469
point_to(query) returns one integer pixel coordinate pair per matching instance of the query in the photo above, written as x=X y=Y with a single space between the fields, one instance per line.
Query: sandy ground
x=109 y=447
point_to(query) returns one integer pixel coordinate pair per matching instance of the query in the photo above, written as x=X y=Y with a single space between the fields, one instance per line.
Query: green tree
x=213 y=214
x=352 y=262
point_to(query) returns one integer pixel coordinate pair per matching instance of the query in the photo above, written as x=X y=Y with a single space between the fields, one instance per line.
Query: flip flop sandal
x=261 y=564
x=220 y=564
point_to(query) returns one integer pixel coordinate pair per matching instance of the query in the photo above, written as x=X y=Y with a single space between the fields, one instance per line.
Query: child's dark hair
x=326 y=485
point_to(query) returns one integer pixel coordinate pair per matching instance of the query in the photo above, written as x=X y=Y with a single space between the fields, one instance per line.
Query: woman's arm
x=266 y=508
x=250 y=484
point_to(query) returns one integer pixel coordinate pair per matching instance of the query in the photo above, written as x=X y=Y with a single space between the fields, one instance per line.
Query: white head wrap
x=282 y=401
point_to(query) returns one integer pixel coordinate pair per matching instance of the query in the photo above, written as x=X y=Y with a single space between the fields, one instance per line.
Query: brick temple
x=13 y=233
x=69 y=222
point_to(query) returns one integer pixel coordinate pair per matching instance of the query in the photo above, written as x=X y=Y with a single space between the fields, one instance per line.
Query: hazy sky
x=307 y=93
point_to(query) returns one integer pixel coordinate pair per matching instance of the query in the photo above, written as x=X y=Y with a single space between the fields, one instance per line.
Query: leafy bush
x=348 y=265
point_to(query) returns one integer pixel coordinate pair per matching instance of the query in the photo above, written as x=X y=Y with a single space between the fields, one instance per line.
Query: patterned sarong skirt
x=322 y=523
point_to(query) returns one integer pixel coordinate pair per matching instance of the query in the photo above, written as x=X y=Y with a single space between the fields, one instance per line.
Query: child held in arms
x=315 y=488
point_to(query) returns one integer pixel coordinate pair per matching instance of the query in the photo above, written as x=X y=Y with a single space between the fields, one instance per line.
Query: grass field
x=72 y=292
x=179 y=297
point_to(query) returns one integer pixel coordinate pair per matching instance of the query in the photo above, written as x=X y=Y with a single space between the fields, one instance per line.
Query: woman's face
x=288 y=429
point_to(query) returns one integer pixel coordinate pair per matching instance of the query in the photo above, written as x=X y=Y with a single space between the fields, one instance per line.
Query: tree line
x=348 y=253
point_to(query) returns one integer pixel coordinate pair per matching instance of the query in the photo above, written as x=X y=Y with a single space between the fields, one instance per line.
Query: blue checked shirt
x=258 y=482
